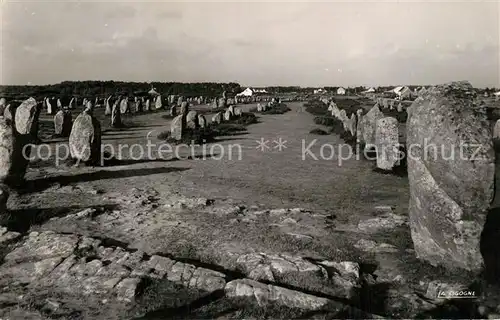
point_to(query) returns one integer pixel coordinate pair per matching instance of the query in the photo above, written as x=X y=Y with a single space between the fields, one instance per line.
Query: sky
x=252 y=43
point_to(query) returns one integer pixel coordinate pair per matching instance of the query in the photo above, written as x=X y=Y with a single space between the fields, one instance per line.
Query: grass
x=319 y=131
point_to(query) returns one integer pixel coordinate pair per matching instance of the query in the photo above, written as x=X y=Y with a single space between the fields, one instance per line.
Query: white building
x=370 y=90
x=402 y=92
x=341 y=91
x=319 y=91
x=245 y=93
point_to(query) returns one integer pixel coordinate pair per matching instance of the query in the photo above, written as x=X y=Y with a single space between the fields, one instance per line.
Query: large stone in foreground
x=387 y=142
x=85 y=139
x=449 y=196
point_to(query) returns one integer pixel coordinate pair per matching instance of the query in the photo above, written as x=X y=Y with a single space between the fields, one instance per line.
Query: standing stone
x=202 y=121
x=352 y=125
x=108 y=109
x=178 y=127
x=158 y=104
x=215 y=105
x=25 y=130
x=131 y=106
x=192 y=120
x=116 y=120
x=496 y=130
x=7 y=113
x=173 y=111
x=59 y=104
x=222 y=102
x=369 y=123
x=231 y=109
x=400 y=107
x=237 y=112
x=449 y=195
x=3 y=103
x=391 y=104
x=138 y=105
x=335 y=110
x=85 y=138
x=264 y=107
x=147 y=105
x=228 y=115
x=385 y=103
x=184 y=107
x=387 y=143
x=180 y=100
x=217 y=118
x=259 y=107
x=49 y=106
x=359 y=126
x=8 y=148
x=71 y=104
x=62 y=123
x=124 y=106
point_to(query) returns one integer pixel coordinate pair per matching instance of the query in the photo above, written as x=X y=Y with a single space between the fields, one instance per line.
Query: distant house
x=401 y=92
x=370 y=90
x=341 y=91
x=319 y=91
x=259 y=90
x=497 y=94
x=246 y=93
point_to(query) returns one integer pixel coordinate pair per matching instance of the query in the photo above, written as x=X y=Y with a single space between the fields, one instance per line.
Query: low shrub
x=277 y=109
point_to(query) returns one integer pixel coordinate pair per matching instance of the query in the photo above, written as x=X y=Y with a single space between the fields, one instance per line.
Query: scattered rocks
x=374 y=247
x=386 y=221
x=265 y=295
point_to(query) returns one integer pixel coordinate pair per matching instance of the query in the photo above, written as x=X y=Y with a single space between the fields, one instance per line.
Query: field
x=252 y=205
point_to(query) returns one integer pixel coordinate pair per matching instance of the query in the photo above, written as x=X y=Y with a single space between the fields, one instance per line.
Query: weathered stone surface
x=496 y=130
x=192 y=120
x=374 y=247
x=202 y=121
x=7 y=148
x=228 y=115
x=178 y=127
x=369 y=125
x=237 y=111
x=387 y=143
x=449 y=196
x=147 y=105
x=85 y=139
x=217 y=118
x=265 y=295
x=222 y=102
x=385 y=221
x=26 y=118
x=62 y=123
x=259 y=107
x=50 y=108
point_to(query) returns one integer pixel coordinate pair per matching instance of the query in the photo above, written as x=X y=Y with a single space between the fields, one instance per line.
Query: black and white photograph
x=249 y=159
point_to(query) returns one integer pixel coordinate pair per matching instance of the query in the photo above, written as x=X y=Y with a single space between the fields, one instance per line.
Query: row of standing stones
x=451 y=191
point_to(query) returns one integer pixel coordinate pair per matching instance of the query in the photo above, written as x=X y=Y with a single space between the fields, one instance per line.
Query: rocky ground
x=267 y=236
